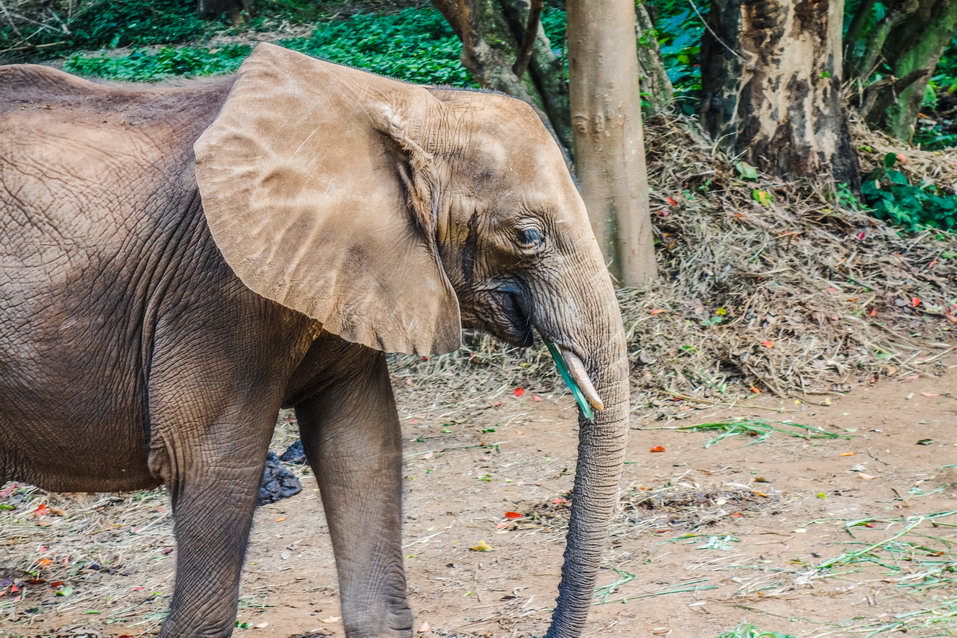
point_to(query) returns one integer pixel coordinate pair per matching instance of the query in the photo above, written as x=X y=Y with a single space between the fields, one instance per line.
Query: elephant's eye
x=529 y=238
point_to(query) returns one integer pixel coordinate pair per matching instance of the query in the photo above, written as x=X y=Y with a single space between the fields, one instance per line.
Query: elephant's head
x=394 y=213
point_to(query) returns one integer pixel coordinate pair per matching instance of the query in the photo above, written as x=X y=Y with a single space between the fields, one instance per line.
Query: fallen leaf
x=657 y=448
x=512 y=515
x=280 y=519
x=656 y=311
x=44 y=562
x=767 y=344
x=481 y=546
x=915 y=301
x=519 y=392
x=930 y=395
x=848 y=453
x=755 y=389
x=761 y=197
x=41 y=510
x=559 y=501
x=866 y=477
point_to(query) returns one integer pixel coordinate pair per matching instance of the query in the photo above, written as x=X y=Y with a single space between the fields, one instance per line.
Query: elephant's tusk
x=573 y=372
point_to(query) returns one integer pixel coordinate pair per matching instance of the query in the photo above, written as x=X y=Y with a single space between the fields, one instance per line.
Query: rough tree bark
x=655 y=84
x=771 y=86
x=493 y=33
x=910 y=39
x=606 y=122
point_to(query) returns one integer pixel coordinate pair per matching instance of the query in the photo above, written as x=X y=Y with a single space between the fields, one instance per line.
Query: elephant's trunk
x=601 y=450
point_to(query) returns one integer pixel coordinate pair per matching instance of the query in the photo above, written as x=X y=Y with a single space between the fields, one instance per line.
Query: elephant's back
x=37 y=87
x=96 y=188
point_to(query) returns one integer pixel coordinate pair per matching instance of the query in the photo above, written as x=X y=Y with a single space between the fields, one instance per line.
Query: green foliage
x=415 y=45
x=679 y=41
x=144 y=66
x=892 y=197
x=94 y=24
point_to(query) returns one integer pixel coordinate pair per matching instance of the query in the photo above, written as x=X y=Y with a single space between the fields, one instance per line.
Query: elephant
x=180 y=262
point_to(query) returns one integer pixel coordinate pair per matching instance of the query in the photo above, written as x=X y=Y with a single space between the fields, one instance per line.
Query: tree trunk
x=915 y=46
x=492 y=34
x=655 y=85
x=606 y=122
x=771 y=86
x=218 y=9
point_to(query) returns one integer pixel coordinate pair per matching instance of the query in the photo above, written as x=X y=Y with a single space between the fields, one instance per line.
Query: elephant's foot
x=395 y=622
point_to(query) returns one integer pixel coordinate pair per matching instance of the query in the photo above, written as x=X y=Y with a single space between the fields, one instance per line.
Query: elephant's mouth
x=516 y=306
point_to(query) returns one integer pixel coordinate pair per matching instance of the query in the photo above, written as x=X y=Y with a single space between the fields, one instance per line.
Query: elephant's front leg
x=352 y=439
x=213 y=466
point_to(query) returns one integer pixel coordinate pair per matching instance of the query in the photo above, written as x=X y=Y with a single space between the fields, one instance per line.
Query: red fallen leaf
x=767 y=344
x=915 y=302
x=512 y=515
x=519 y=392
x=56 y=583
x=138 y=588
x=657 y=448
x=872 y=313
x=423 y=358
x=671 y=201
x=41 y=510
x=736 y=515
x=14 y=589
x=559 y=501
x=861 y=235
x=656 y=311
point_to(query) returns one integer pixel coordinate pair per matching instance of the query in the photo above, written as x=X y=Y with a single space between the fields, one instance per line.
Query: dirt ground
x=806 y=536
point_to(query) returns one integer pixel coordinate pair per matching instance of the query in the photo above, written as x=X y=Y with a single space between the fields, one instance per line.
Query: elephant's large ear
x=320 y=200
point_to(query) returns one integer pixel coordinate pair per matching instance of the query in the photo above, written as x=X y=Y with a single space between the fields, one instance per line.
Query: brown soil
x=707 y=537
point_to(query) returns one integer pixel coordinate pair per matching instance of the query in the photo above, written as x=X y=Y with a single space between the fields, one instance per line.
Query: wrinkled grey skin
x=132 y=355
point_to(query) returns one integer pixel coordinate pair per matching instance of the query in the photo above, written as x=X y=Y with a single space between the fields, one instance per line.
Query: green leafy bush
x=412 y=45
x=892 y=197
x=679 y=41
x=91 y=24
x=144 y=66
x=416 y=45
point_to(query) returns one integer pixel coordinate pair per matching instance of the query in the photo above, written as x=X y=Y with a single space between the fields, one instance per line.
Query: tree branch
x=528 y=39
